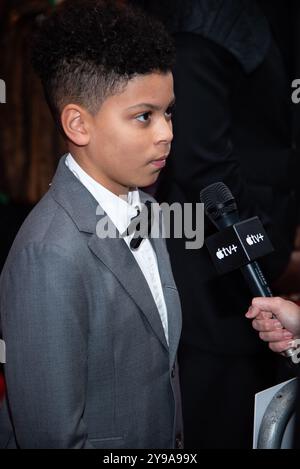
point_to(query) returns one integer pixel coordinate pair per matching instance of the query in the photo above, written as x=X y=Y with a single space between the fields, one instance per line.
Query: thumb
x=252 y=312
x=273 y=305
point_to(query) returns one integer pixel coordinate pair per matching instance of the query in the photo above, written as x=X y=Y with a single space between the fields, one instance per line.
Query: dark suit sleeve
x=44 y=321
x=203 y=150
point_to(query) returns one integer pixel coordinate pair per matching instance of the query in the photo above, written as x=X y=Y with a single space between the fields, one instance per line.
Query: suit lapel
x=171 y=297
x=169 y=288
x=116 y=256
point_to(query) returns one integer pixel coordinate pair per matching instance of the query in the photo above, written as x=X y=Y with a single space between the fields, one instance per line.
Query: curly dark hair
x=86 y=50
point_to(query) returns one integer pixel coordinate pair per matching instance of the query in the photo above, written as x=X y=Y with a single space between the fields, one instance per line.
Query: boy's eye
x=169 y=111
x=144 y=117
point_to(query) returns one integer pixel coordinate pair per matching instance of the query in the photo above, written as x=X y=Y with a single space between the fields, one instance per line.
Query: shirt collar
x=119 y=210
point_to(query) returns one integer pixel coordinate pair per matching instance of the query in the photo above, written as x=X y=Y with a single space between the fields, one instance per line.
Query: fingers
x=276 y=336
x=280 y=347
x=266 y=325
x=255 y=312
x=274 y=305
x=277 y=321
x=270 y=330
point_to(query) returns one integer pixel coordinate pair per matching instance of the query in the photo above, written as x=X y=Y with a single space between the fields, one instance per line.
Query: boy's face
x=130 y=136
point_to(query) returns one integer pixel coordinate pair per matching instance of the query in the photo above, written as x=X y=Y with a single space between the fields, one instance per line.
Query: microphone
x=221 y=208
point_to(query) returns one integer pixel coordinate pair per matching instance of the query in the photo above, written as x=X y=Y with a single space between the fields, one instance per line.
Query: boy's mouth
x=160 y=162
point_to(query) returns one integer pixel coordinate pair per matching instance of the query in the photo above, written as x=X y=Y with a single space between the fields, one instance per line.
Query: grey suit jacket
x=88 y=365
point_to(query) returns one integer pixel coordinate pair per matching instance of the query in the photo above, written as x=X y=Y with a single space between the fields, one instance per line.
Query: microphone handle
x=258 y=285
x=256 y=280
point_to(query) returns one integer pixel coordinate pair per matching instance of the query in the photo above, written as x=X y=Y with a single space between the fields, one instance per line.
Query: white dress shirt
x=121 y=212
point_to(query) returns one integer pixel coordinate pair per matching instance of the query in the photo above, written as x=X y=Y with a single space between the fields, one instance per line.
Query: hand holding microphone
x=277 y=321
x=237 y=246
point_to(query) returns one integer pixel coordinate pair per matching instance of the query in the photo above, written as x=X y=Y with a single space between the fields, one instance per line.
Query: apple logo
x=219 y=254
x=249 y=240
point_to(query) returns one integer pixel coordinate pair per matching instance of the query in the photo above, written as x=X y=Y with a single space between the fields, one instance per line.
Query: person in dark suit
x=91 y=321
x=232 y=124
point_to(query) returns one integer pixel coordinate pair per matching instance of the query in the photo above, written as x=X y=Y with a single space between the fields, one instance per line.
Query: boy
x=91 y=325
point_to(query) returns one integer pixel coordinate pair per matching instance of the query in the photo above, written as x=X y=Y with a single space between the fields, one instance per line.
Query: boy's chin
x=151 y=180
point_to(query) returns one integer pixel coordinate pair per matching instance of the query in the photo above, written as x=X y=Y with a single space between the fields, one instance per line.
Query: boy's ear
x=75 y=122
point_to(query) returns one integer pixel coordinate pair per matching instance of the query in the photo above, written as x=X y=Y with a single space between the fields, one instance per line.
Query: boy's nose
x=164 y=133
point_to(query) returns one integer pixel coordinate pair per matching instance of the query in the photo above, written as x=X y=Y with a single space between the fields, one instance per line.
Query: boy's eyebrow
x=150 y=106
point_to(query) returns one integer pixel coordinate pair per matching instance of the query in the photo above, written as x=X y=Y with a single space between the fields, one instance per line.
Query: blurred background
x=30 y=146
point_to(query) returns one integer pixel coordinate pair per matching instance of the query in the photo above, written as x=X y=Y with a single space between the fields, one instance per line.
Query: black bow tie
x=140 y=225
